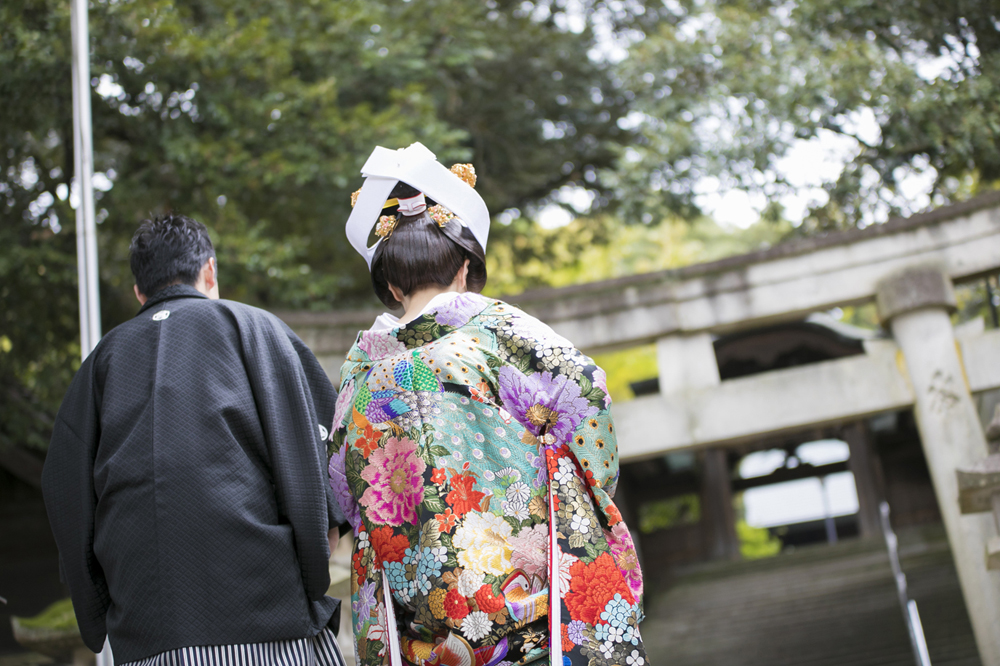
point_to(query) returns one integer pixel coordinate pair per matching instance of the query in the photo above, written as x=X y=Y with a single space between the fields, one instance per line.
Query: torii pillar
x=915 y=303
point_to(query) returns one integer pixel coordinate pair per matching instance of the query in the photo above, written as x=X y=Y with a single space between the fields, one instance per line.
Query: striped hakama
x=318 y=650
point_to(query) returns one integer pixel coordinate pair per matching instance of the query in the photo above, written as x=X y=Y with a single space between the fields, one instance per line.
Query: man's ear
x=211 y=272
x=208 y=279
x=141 y=297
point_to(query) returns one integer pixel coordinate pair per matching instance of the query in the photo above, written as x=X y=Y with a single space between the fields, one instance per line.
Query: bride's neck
x=415 y=303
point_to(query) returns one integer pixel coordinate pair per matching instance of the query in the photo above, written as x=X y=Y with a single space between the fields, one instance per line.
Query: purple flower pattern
x=459 y=310
x=523 y=394
x=338 y=482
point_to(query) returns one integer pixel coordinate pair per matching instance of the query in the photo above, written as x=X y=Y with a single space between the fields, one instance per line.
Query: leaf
x=432 y=500
x=355 y=463
x=372 y=648
x=523 y=363
x=595 y=550
x=493 y=361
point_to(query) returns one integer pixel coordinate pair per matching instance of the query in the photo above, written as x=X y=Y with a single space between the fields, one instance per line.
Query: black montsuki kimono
x=185 y=481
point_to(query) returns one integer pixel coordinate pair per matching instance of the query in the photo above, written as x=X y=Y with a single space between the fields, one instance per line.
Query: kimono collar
x=170 y=293
x=437 y=321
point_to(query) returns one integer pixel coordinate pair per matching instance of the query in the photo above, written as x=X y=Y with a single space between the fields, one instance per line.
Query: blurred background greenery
x=256 y=117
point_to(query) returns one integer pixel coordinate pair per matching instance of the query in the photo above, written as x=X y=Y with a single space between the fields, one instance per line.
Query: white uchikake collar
x=417 y=167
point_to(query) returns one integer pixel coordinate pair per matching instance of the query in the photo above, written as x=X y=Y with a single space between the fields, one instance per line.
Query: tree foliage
x=725 y=87
x=256 y=117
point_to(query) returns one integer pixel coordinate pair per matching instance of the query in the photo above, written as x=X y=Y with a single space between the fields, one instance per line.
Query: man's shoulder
x=251 y=314
x=221 y=309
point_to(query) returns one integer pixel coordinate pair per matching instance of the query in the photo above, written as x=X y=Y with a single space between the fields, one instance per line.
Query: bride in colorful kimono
x=473 y=452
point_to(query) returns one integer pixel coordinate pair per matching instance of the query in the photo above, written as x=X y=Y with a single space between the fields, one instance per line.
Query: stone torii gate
x=906 y=266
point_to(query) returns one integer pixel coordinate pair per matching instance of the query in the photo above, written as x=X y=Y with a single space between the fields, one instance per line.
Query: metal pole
x=86 y=228
x=990 y=300
x=828 y=520
x=83 y=156
x=909 y=607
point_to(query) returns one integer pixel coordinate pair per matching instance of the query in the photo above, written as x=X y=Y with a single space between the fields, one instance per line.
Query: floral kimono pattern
x=464 y=445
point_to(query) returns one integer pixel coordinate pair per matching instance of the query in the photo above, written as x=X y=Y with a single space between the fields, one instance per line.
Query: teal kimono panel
x=474 y=453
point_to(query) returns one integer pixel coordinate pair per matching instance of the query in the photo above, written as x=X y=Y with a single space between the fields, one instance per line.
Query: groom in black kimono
x=185 y=481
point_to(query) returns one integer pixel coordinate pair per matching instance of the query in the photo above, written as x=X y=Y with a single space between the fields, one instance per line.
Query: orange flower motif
x=359 y=567
x=446 y=520
x=367 y=441
x=592 y=586
x=481 y=392
x=488 y=602
x=613 y=514
x=389 y=547
x=462 y=497
x=456 y=605
x=438 y=476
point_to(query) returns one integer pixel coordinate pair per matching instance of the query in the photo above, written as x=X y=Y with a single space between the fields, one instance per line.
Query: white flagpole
x=83 y=152
x=86 y=229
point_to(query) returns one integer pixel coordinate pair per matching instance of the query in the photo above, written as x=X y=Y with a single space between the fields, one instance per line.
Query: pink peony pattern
x=380 y=344
x=623 y=550
x=531 y=550
x=601 y=382
x=395 y=474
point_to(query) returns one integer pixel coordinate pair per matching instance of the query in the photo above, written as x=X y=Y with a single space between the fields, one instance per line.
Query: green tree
x=724 y=87
x=255 y=118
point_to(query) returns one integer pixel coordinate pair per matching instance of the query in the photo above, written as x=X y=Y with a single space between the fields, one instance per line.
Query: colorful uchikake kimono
x=463 y=435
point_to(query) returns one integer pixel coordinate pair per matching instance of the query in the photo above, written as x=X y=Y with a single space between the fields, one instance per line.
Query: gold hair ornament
x=466 y=172
x=386 y=225
x=440 y=215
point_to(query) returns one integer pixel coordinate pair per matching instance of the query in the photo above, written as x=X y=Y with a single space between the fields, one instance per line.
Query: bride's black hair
x=419 y=253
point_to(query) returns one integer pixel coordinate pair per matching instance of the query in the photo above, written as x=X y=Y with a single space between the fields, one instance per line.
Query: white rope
x=392 y=644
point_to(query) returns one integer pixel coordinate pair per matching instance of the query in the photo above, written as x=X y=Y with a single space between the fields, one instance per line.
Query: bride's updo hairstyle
x=420 y=253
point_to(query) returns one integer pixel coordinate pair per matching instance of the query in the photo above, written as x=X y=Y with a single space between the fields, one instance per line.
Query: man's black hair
x=166 y=250
x=419 y=254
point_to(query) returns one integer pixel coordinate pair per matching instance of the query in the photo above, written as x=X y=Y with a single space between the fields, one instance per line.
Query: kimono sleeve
x=556 y=390
x=369 y=614
x=71 y=502
x=284 y=400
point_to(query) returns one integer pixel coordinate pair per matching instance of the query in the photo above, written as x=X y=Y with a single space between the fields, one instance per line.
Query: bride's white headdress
x=417 y=167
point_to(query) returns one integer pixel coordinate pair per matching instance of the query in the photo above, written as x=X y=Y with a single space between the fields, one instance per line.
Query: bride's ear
x=396 y=292
x=462 y=276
